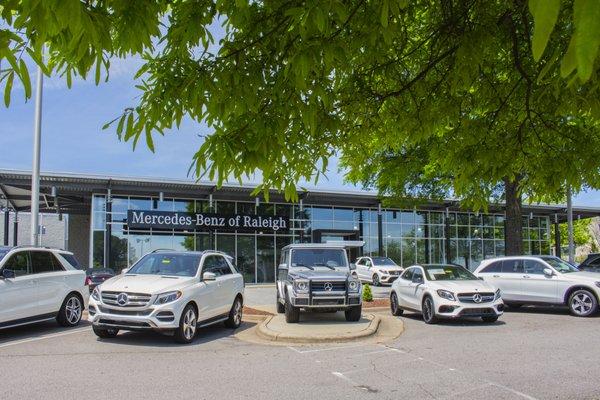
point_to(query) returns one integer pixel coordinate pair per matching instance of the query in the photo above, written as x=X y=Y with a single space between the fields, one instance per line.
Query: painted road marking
x=50 y=336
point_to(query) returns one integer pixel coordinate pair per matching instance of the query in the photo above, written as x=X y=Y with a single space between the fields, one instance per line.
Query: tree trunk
x=513 y=225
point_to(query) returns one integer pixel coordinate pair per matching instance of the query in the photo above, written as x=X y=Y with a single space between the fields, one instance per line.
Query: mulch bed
x=254 y=311
x=376 y=303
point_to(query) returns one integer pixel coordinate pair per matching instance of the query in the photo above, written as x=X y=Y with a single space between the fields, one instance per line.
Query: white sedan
x=445 y=291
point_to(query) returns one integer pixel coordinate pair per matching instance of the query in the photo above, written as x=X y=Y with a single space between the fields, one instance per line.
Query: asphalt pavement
x=529 y=354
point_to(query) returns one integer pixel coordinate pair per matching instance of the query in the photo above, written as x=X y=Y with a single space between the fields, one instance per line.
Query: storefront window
x=226 y=244
x=184 y=242
x=265 y=258
x=246 y=246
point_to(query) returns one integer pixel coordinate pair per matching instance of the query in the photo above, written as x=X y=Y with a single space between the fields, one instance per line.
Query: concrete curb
x=266 y=333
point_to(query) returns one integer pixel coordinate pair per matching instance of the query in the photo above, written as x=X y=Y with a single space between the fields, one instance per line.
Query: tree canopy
x=471 y=98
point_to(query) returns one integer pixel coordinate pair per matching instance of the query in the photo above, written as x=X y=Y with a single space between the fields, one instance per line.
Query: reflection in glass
x=265 y=258
x=226 y=244
x=409 y=252
x=245 y=257
x=98 y=246
x=183 y=242
x=118 y=251
x=204 y=241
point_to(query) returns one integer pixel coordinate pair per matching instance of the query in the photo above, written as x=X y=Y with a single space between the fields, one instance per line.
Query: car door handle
x=495 y=276
x=526 y=276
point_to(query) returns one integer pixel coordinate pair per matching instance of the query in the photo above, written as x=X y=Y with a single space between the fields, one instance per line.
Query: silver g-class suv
x=317 y=276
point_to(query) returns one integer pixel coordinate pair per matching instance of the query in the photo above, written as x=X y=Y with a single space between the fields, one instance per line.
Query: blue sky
x=73 y=139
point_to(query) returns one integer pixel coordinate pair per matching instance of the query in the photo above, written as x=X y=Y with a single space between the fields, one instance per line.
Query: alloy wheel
x=581 y=303
x=73 y=310
x=237 y=313
x=394 y=303
x=427 y=309
x=189 y=324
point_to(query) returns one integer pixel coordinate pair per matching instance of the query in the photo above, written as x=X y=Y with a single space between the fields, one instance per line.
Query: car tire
x=280 y=306
x=582 y=303
x=375 y=280
x=428 y=311
x=353 y=313
x=394 y=307
x=235 y=314
x=70 y=312
x=105 y=333
x=292 y=314
x=188 y=323
x=514 y=306
x=490 y=319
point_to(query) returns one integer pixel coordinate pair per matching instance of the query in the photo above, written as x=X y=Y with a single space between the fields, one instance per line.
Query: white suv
x=377 y=270
x=38 y=284
x=170 y=292
x=543 y=280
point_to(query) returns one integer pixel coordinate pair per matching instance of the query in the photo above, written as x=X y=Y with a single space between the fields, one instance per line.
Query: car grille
x=133 y=299
x=477 y=311
x=395 y=273
x=106 y=310
x=468 y=297
x=321 y=286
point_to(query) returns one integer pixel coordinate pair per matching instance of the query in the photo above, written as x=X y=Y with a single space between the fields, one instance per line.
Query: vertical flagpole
x=35 y=171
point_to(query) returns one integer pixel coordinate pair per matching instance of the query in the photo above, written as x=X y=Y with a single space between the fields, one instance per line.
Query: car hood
x=320 y=273
x=150 y=284
x=464 y=286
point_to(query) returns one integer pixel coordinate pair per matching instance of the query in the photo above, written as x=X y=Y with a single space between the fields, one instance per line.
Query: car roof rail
x=161 y=250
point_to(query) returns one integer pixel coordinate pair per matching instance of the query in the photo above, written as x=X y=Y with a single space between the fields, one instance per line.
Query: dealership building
x=112 y=221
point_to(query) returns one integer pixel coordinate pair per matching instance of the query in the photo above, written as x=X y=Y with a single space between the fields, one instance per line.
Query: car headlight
x=498 y=294
x=353 y=286
x=384 y=272
x=96 y=294
x=168 y=297
x=301 y=286
x=444 y=294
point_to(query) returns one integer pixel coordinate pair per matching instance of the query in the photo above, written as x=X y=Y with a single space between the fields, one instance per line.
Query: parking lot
x=529 y=354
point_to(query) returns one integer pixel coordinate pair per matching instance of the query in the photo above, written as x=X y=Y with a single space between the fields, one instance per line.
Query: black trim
x=213 y=319
x=28 y=320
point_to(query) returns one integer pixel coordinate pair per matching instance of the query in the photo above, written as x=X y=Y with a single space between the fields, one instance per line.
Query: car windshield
x=384 y=261
x=167 y=264
x=310 y=258
x=448 y=273
x=560 y=265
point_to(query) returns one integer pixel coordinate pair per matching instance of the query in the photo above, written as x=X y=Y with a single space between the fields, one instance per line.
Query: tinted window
x=383 y=261
x=367 y=262
x=44 y=261
x=417 y=275
x=71 y=260
x=512 y=266
x=217 y=265
x=18 y=263
x=318 y=257
x=560 y=265
x=167 y=264
x=408 y=274
x=592 y=263
x=534 y=267
x=493 y=267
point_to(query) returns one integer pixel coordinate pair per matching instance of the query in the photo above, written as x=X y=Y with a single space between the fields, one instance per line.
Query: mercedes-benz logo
x=328 y=286
x=122 y=299
x=477 y=298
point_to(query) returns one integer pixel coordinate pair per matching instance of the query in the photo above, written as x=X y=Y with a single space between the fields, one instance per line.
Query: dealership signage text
x=201 y=221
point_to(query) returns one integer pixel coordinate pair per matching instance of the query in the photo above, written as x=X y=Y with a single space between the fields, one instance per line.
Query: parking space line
x=513 y=391
x=325 y=349
x=344 y=377
x=50 y=336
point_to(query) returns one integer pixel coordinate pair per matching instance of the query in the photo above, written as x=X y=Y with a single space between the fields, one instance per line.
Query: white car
x=539 y=280
x=170 y=292
x=377 y=270
x=445 y=291
x=39 y=284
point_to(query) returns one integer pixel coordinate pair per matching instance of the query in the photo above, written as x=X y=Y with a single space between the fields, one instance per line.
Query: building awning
x=71 y=193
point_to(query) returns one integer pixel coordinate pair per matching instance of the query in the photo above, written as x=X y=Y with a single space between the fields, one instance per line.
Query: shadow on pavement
x=459 y=323
x=36 y=330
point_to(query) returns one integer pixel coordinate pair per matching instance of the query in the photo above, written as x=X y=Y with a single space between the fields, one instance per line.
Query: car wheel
x=353 y=313
x=582 y=303
x=235 y=314
x=70 y=311
x=428 y=310
x=376 y=280
x=186 y=331
x=395 y=308
x=105 y=333
x=280 y=306
x=490 y=319
x=292 y=314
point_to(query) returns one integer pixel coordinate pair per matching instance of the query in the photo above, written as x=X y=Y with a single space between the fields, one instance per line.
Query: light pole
x=141 y=242
x=35 y=171
x=570 y=225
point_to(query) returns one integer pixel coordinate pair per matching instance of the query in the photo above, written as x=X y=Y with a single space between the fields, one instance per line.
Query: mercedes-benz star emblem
x=122 y=299
x=328 y=286
x=477 y=298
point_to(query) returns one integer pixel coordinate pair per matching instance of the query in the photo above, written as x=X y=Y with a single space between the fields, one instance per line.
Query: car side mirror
x=417 y=279
x=209 y=276
x=352 y=267
x=7 y=274
x=548 y=272
x=282 y=267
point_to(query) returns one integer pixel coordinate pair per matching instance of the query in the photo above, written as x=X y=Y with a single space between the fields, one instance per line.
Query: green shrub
x=367 y=294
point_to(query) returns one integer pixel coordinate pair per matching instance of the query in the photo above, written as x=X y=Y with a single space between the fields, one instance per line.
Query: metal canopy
x=74 y=193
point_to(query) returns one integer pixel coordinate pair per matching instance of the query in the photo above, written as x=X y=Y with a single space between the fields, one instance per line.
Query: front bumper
x=456 y=309
x=154 y=317
x=389 y=279
x=332 y=299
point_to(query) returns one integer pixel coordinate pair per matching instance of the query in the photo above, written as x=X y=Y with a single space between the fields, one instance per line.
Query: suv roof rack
x=159 y=250
x=23 y=246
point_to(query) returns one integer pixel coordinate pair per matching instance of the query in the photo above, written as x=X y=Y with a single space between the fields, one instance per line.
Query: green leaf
x=24 y=74
x=385 y=9
x=545 y=15
x=569 y=61
x=8 y=88
x=586 y=14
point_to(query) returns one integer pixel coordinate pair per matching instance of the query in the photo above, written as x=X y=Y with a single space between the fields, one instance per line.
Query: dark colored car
x=591 y=263
x=95 y=276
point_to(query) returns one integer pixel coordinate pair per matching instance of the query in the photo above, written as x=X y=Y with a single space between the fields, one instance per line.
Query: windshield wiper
x=324 y=265
x=305 y=266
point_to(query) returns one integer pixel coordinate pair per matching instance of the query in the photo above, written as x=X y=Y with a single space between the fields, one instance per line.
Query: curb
x=268 y=334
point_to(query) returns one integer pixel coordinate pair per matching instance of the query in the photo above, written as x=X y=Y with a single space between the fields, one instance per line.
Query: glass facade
x=408 y=236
